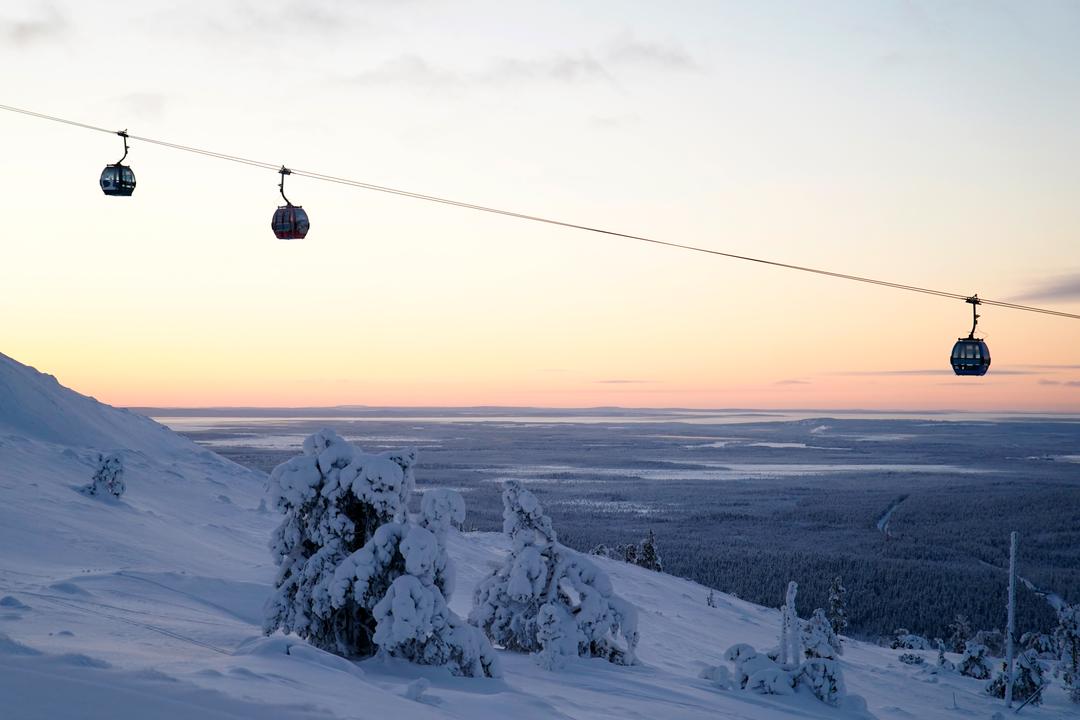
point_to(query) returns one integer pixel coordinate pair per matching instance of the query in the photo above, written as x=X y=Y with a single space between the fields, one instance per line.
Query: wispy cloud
x=1062 y=383
x=872 y=373
x=566 y=68
x=929 y=372
x=660 y=55
x=624 y=382
x=49 y=25
x=418 y=71
x=1048 y=366
x=792 y=382
x=1061 y=287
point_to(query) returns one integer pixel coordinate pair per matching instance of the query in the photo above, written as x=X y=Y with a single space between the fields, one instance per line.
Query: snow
x=150 y=606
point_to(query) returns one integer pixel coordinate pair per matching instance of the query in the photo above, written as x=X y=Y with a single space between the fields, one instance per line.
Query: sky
x=927 y=143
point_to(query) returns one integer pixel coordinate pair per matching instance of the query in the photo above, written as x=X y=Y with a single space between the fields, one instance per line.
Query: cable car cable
x=540 y=219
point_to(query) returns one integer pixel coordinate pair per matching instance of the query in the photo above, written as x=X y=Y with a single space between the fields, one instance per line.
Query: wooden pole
x=1011 y=629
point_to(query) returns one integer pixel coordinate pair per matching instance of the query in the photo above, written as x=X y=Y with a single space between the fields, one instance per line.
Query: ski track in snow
x=883 y=521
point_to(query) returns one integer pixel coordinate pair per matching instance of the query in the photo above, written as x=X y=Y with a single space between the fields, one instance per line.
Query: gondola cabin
x=970 y=357
x=290 y=222
x=117 y=179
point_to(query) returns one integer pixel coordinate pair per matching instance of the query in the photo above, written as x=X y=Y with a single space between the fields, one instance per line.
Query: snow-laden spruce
x=334 y=498
x=819 y=640
x=356 y=573
x=645 y=553
x=549 y=600
x=975 y=662
x=760 y=673
x=411 y=614
x=781 y=671
x=109 y=477
x=1028 y=679
x=838 y=608
x=1067 y=636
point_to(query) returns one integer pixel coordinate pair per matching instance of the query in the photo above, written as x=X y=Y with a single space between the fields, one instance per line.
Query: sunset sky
x=929 y=143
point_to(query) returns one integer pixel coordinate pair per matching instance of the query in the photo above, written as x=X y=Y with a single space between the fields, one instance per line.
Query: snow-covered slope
x=34 y=405
x=149 y=606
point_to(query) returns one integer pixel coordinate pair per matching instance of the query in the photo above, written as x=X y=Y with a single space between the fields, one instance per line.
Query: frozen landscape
x=742 y=501
x=151 y=604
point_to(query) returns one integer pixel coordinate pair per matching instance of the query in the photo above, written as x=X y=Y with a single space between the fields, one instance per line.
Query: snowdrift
x=150 y=605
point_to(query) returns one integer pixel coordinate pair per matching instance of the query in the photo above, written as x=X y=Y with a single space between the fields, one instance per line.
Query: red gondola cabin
x=290 y=222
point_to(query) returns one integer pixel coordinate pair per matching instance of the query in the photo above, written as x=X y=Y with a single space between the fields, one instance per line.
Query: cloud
x=1047 y=366
x=415 y=70
x=930 y=372
x=406 y=69
x=624 y=382
x=1063 y=383
x=24 y=33
x=1062 y=287
x=792 y=382
x=563 y=68
x=873 y=373
x=566 y=68
x=148 y=104
x=666 y=57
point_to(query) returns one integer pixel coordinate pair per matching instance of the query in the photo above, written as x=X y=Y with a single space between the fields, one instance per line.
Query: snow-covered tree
x=547 y=599
x=1028 y=679
x=959 y=633
x=648 y=555
x=904 y=639
x=403 y=577
x=943 y=662
x=975 y=662
x=711 y=600
x=823 y=677
x=109 y=477
x=760 y=673
x=603 y=551
x=334 y=498
x=750 y=663
x=1067 y=636
x=992 y=640
x=718 y=675
x=1043 y=644
x=818 y=639
x=838 y=607
x=790 y=636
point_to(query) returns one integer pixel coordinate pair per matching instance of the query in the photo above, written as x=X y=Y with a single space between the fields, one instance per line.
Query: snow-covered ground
x=149 y=606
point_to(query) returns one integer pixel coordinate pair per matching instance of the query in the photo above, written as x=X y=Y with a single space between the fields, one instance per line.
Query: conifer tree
x=1067 y=636
x=547 y=599
x=838 y=616
x=960 y=633
x=334 y=498
x=109 y=477
x=649 y=554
